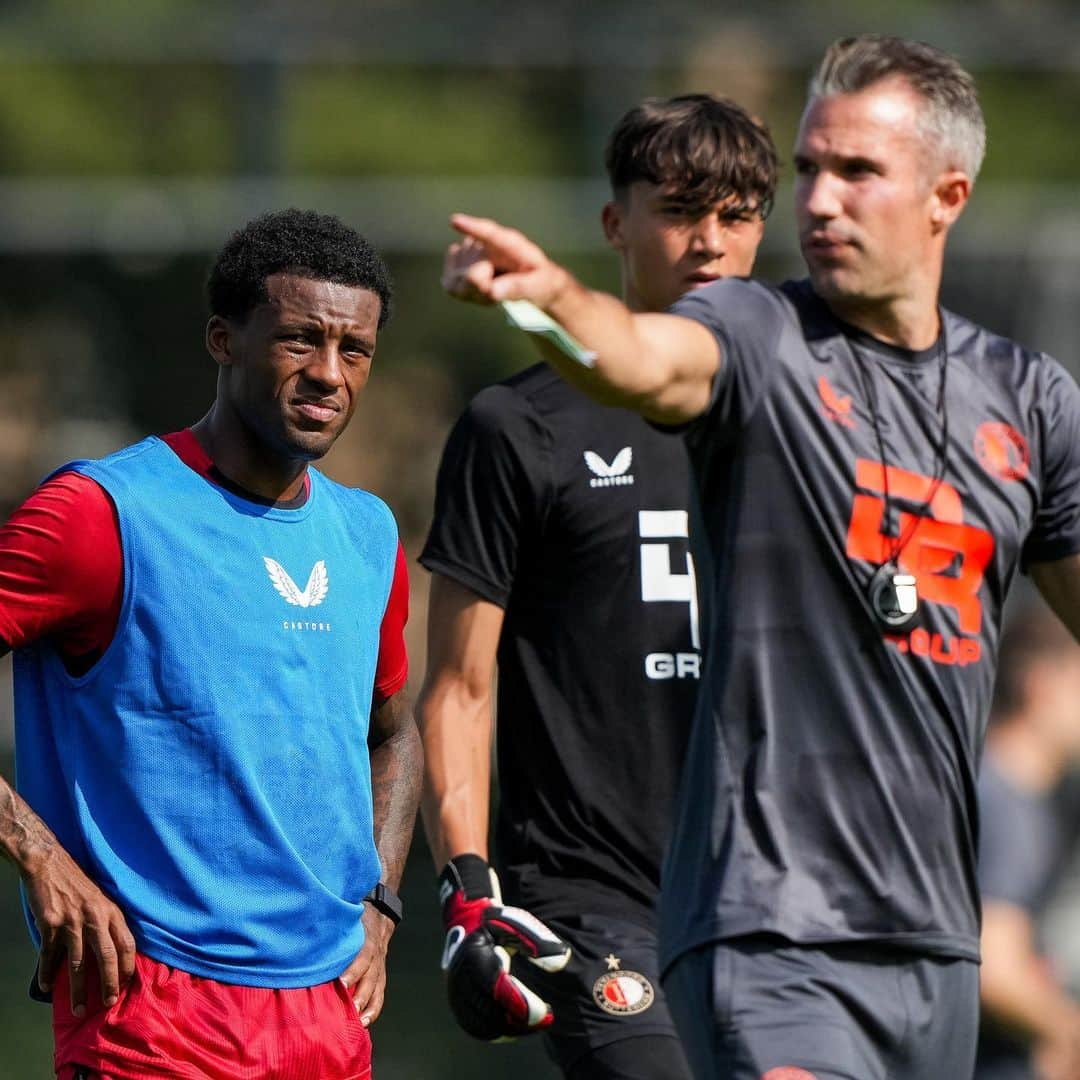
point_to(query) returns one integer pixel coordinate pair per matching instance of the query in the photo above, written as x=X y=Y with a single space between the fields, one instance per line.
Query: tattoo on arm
x=396 y=773
x=23 y=834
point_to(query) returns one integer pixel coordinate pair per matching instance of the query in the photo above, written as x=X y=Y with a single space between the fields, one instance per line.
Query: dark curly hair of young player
x=301 y=242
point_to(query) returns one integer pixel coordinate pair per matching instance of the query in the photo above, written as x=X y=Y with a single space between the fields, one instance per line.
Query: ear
x=611 y=217
x=219 y=340
x=949 y=197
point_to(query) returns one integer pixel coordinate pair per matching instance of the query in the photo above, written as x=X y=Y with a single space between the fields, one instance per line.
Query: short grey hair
x=951 y=116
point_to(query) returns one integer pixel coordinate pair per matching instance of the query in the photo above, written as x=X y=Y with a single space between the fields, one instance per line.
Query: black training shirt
x=573 y=518
x=830 y=791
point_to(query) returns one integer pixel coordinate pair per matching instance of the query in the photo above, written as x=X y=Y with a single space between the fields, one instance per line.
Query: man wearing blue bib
x=217 y=766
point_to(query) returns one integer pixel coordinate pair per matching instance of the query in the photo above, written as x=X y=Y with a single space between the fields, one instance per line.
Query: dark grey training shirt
x=830 y=784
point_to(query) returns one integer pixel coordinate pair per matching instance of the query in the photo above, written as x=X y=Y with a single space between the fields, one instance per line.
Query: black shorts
x=609 y=992
x=840 y=1012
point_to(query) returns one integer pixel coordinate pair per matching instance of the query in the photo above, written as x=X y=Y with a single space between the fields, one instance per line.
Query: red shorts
x=168 y=1023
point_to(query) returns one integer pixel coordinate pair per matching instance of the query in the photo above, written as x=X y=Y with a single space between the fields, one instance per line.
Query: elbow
x=673 y=405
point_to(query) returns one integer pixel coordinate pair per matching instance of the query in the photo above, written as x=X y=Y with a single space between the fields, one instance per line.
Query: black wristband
x=468 y=873
x=383 y=898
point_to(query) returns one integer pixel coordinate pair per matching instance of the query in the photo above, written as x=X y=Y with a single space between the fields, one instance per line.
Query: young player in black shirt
x=872 y=471
x=559 y=548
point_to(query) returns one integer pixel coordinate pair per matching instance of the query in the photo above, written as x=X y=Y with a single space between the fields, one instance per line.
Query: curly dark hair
x=300 y=242
x=704 y=148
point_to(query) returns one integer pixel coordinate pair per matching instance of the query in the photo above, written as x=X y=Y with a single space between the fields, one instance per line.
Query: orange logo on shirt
x=1002 y=450
x=947 y=557
x=836 y=406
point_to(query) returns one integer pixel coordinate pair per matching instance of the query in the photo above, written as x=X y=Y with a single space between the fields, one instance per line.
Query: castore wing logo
x=314 y=593
x=605 y=475
x=837 y=407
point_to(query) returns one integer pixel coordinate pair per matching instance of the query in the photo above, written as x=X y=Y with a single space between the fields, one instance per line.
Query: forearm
x=396 y=773
x=1028 y=1004
x=605 y=326
x=74 y=918
x=1017 y=989
x=456 y=731
x=661 y=366
x=25 y=839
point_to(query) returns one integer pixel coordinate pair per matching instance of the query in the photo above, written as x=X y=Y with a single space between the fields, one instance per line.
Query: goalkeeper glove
x=481 y=934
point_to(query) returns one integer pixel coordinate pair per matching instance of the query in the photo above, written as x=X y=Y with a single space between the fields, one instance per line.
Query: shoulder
x=69 y=487
x=740 y=298
x=524 y=411
x=362 y=505
x=1031 y=385
x=150 y=447
x=67 y=504
x=128 y=469
x=530 y=393
x=995 y=355
x=750 y=319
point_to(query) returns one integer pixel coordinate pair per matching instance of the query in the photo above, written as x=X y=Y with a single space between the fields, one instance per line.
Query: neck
x=245 y=460
x=1024 y=757
x=630 y=297
x=905 y=313
x=908 y=324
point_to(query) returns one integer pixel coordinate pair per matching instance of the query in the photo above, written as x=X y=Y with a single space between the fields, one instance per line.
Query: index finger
x=510 y=247
x=368 y=994
x=124 y=941
x=479 y=228
x=356 y=970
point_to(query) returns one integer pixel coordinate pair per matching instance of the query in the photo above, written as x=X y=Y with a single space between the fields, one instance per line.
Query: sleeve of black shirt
x=491 y=494
x=1056 y=532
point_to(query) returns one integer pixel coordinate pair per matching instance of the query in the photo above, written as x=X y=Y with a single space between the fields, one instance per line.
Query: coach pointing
x=872 y=471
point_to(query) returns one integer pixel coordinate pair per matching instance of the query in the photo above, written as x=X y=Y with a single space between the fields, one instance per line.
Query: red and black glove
x=486 y=1000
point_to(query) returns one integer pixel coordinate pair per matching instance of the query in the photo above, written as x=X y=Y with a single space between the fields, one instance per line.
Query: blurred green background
x=135 y=134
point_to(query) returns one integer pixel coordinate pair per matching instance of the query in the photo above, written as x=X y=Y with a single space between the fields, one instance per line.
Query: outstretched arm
x=396 y=770
x=455 y=717
x=661 y=366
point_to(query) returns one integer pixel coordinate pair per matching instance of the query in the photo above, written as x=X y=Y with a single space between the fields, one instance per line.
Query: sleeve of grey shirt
x=747 y=319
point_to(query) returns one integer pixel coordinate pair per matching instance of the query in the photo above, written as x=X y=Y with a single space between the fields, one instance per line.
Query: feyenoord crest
x=622 y=993
x=894 y=598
